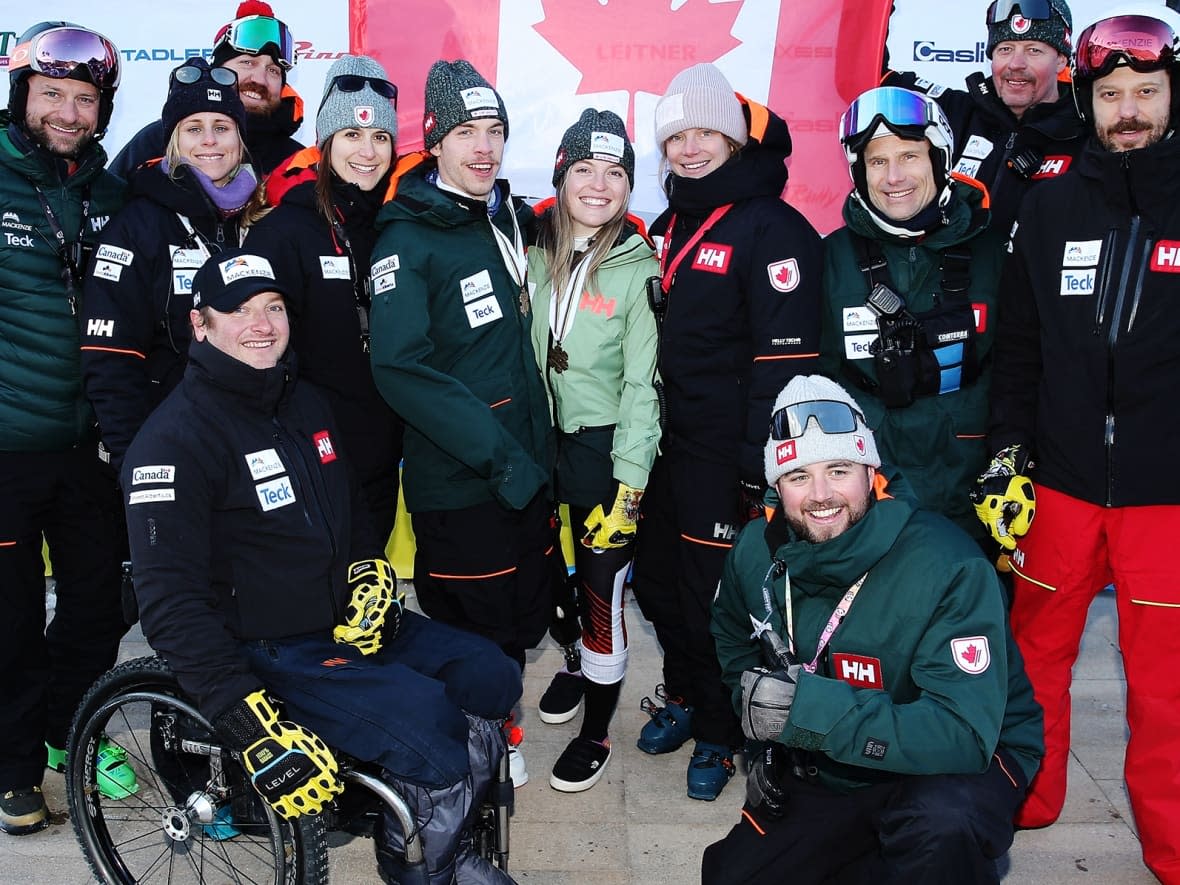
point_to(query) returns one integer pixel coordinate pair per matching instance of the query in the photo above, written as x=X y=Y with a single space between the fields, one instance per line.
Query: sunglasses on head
x=1001 y=10
x=191 y=74
x=832 y=416
x=254 y=33
x=355 y=83
x=1144 y=43
x=59 y=52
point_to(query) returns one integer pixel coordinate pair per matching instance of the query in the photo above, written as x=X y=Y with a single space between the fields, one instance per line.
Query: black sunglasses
x=191 y=74
x=790 y=422
x=355 y=83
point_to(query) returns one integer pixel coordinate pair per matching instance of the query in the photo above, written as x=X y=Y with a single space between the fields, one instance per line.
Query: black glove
x=765 y=793
x=290 y=767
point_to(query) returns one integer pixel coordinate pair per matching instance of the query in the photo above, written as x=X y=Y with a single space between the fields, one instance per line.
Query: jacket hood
x=299 y=168
x=757 y=170
x=1137 y=182
x=411 y=195
x=285 y=121
x=253 y=389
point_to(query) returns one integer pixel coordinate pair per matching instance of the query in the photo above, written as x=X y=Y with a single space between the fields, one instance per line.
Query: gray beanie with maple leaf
x=598 y=135
x=457 y=93
x=700 y=98
x=351 y=102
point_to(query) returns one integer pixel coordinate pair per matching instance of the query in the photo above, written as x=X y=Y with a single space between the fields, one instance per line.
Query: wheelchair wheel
x=194 y=817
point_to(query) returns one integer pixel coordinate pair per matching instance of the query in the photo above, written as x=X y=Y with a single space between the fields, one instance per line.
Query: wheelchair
x=195 y=816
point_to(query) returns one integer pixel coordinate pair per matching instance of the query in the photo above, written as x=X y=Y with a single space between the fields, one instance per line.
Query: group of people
x=236 y=349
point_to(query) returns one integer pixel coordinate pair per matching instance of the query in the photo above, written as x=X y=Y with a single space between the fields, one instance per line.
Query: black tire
x=148 y=836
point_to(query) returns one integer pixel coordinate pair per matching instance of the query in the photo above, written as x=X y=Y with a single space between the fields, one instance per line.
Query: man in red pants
x=1083 y=404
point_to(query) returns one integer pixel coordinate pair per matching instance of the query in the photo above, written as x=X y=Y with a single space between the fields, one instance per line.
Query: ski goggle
x=898 y=107
x=355 y=83
x=1001 y=10
x=59 y=52
x=832 y=416
x=254 y=33
x=191 y=74
x=1145 y=43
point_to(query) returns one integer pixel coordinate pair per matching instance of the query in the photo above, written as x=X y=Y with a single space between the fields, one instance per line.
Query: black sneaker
x=580 y=766
x=562 y=698
x=23 y=811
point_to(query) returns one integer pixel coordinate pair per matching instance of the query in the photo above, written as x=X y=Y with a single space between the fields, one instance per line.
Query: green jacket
x=937 y=441
x=42 y=405
x=451 y=351
x=895 y=692
x=612 y=349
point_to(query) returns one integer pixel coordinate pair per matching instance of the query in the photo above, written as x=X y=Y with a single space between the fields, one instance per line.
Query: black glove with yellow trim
x=290 y=767
x=375 y=609
x=617 y=528
x=1004 y=498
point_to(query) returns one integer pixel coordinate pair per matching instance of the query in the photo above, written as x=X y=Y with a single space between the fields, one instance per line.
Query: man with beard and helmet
x=56 y=197
x=898 y=727
x=910 y=295
x=259 y=48
x=1083 y=397
x=1018 y=126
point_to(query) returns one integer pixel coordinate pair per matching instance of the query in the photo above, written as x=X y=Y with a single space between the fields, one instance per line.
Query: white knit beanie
x=814 y=446
x=700 y=98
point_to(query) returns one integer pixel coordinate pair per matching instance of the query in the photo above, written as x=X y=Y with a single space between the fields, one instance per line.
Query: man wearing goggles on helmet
x=56 y=196
x=1019 y=125
x=1085 y=379
x=910 y=295
x=260 y=50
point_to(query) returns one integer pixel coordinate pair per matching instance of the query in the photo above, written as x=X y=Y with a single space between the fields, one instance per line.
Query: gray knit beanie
x=598 y=135
x=457 y=93
x=1054 y=30
x=783 y=456
x=700 y=98
x=363 y=109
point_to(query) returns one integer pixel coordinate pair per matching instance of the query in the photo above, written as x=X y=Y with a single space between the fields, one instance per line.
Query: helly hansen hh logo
x=1165 y=258
x=713 y=257
x=857 y=670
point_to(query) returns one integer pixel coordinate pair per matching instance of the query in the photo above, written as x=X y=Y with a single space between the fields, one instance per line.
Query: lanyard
x=562 y=307
x=834 y=621
x=512 y=251
x=193 y=237
x=69 y=253
x=668 y=274
x=360 y=283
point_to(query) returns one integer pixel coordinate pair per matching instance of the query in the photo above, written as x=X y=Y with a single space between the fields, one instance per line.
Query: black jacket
x=137 y=296
x=1045 y=141
x=742 y=313
x=1087 y=365
x=241 y=519
x=268 y=139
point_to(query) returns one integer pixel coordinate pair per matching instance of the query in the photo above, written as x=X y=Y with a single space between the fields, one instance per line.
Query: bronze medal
x=558 y=360
x=524 y=300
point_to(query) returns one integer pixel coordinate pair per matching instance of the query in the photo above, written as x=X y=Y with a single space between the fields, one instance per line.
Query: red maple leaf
x=636 y=45
x=783 y=275
x=971 y=654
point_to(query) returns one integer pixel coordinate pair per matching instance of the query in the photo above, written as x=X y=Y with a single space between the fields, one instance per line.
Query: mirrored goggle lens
x=58 y=52
x=896 y=106
x=354 y=83
x=255 y=32
x=790 y=422
x=1146 y=43
x=191 y=74
x=1001 y=10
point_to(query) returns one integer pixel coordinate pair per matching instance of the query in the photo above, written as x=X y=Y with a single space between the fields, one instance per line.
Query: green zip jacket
x=612 y=349
x=937 y=441
x=42 y=405
x=921 y=677
x=451 y=351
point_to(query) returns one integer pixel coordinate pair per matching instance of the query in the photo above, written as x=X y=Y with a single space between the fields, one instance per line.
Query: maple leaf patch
x=972 y=654
x=784 y=275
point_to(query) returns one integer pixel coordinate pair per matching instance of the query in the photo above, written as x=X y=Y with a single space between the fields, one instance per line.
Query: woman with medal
x=595 y=339
x=739 y=317
x=194 y=202
x=319 y=239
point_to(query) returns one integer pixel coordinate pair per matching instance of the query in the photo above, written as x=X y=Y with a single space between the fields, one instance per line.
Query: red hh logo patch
x=323 y=445
x=1051 y=167
x=1165 y=258
x=785 y=452
x=713 y=257
x=857 y=670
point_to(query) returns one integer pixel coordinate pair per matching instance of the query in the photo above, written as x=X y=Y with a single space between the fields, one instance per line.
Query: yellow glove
x=617 y=528
x=290 y=767
x=1004 y=498
x=375 y=608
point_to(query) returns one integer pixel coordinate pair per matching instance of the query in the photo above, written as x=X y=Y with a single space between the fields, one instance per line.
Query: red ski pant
x=1072 y=551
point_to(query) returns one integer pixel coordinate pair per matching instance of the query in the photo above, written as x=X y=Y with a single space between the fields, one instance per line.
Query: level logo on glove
x=374 y=610
x=290 y=767
x=1004 y=498
x=605 y=531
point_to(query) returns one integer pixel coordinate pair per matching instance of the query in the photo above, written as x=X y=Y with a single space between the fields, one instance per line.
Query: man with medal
x=451 y=354
x=866 y=648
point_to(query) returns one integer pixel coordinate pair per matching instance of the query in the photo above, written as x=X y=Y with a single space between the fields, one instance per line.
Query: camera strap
x=70 y=253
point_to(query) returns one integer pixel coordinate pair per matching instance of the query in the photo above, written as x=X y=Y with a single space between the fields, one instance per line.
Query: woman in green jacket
x=595 y=339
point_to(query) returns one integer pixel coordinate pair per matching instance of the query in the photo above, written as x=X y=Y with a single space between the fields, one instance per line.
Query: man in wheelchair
x=260 y=582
